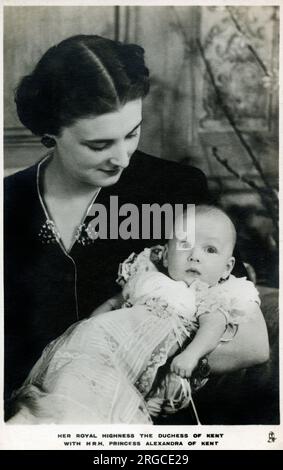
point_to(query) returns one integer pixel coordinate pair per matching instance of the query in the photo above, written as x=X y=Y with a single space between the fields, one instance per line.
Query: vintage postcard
x=141 y=227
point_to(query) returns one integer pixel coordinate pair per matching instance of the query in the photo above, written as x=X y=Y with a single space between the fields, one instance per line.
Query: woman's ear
x=48 y=140
x=165 y=256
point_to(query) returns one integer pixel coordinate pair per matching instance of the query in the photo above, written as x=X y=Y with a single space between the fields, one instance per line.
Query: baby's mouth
x=193 y=271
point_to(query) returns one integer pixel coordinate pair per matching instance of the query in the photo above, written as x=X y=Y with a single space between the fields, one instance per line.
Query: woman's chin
x=103 y=181
x=111 y=180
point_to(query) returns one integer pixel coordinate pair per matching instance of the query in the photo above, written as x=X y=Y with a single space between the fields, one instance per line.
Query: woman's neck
x=61 y=185
x=66 y=201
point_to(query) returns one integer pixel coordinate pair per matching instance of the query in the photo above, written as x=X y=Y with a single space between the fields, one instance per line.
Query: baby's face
x=210 y=258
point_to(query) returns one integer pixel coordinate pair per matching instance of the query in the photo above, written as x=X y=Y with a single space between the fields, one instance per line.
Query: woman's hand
x=114 y=303
x=249 y=347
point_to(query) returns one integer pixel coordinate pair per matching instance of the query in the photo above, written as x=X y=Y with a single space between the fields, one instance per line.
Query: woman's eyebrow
x=100 y=141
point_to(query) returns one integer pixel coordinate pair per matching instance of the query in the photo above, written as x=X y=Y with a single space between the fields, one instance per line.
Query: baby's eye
x=211 y=249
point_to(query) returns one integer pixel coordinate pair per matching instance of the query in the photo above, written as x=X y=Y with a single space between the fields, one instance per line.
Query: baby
x=106 y=369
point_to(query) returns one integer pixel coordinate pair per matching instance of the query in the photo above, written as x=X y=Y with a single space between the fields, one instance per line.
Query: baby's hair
x=206 y=209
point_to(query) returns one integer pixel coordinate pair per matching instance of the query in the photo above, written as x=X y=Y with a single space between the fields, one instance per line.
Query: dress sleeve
x=242 y=294
x=233 y=298
x=215 y=301
x=211 y=300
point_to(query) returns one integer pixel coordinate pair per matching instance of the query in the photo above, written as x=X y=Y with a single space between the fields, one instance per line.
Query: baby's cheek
x=175 y=273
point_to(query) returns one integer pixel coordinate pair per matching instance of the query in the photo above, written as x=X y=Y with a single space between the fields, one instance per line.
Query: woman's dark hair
x=82 y=76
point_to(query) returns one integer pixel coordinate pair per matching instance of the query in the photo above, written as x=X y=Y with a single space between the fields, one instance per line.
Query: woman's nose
x=121 y=156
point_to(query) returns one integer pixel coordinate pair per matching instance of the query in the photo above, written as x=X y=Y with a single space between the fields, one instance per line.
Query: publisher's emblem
x=271 y=437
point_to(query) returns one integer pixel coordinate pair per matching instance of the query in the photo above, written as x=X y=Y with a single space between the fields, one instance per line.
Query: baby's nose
x=194 y=255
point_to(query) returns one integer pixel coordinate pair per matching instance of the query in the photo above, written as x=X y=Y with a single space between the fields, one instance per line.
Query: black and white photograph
x=141 y=225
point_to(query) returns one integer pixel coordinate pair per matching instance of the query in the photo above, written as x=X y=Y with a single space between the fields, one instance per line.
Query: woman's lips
x=112 y=172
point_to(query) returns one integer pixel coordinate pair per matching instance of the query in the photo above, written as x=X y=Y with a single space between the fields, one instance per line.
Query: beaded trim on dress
x=48 y=233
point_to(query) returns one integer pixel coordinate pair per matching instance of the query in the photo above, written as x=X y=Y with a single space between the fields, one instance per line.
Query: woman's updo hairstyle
x=82 y=76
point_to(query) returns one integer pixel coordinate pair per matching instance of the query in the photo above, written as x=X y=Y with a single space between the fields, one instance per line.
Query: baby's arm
x=211 y=329
x=113 y=303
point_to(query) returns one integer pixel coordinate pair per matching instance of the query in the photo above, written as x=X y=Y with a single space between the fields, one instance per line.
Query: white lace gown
x=102 y=369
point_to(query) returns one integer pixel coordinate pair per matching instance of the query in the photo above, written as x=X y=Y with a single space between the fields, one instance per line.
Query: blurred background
x=213 y=101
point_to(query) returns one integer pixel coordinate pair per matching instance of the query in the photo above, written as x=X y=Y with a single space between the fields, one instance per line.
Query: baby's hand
x=184 y=364
x=154 y=406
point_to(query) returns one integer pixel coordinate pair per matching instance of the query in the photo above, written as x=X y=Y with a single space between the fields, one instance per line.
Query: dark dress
x=48 y=289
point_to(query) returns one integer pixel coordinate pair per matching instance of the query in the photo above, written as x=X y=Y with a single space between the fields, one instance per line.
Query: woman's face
x=95 y=150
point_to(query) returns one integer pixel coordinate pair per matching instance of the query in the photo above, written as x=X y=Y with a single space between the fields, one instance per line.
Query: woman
x=84 y=98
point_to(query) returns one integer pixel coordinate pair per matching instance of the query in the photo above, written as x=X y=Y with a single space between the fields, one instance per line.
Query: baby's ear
x=229 y=266
x=165 y=256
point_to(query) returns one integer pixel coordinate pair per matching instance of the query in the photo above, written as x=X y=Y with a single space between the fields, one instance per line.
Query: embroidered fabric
x=135 y=264
x=84 y=235
x=101 y=366
x=48 y=233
